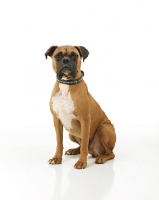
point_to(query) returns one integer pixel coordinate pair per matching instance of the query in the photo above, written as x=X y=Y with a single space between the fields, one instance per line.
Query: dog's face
x=66 y=60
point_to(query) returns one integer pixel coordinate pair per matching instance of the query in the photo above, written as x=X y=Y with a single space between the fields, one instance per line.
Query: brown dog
x=73 y=107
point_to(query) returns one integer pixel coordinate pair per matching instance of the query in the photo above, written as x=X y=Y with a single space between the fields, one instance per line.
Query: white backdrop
x=121 y=71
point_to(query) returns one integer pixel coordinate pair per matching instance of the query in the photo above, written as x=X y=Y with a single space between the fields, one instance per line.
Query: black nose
x=65 y=61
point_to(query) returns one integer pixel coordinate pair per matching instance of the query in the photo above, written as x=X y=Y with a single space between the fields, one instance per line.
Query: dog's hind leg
x=73 y=151
x=107 y=138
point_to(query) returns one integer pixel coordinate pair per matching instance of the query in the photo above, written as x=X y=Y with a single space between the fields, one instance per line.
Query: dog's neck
x=73 y=81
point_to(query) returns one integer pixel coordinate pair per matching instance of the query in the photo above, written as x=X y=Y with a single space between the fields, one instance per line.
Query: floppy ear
x=50 y=51
x=82 y=51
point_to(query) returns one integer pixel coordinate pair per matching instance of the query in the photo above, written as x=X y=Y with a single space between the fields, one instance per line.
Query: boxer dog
x=73 y=108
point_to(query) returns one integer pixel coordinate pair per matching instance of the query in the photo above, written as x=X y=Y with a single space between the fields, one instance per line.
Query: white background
x=122 y=73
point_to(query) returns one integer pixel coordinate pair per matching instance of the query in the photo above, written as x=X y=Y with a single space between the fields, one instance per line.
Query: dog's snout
x=65 y=61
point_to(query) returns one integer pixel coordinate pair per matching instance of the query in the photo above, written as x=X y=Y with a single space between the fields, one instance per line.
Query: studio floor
x=26 y=175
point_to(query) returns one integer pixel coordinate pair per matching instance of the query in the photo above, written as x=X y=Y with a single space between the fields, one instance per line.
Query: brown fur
x=91 y=128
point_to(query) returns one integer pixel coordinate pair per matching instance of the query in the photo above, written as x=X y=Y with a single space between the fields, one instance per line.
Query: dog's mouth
x=66 y=72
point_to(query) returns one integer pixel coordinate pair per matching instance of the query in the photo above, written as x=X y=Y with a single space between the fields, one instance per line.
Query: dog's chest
x=63 y=105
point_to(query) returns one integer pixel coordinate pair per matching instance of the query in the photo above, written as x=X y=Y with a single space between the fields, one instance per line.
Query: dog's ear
x=82 y=51
x=50 y=51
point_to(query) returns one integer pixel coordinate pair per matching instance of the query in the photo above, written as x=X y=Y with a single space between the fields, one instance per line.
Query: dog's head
x=66 y=60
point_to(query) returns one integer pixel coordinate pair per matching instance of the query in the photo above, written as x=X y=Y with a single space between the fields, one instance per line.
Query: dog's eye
x=74 y=56
x=58 y=56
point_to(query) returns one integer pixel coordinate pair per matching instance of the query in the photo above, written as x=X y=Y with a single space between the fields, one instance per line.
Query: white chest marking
x=63 y=105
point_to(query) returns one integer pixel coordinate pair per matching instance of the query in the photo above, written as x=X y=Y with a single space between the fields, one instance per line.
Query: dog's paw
x=73 y=151
x=55 y=160
x=80 y=165
x=102 y=159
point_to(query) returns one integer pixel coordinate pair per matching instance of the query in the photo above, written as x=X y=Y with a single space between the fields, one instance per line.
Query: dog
x=73 y=108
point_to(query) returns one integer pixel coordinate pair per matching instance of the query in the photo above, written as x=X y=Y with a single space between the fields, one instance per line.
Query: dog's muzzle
x=67 y=69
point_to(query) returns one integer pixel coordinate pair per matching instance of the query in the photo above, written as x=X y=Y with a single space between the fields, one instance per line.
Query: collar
x=71 y=82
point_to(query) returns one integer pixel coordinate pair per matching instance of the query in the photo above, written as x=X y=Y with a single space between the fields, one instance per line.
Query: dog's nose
x=65 y=60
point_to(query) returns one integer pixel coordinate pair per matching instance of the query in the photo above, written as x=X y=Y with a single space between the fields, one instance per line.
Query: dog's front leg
x=85 y=130
x=57 y=159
